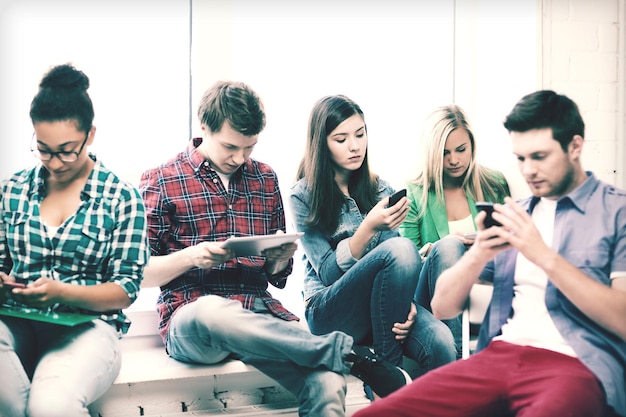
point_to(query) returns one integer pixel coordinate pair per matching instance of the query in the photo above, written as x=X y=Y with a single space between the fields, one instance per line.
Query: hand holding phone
x=469 y=235
x=393 y=200
x=488 y=209
x=12 y=284
x=6 y=289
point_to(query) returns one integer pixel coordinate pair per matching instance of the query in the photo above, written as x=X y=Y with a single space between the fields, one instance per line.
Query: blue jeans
x=371 y=296
x=311 y=367
x=51 y=370
x=443 y=254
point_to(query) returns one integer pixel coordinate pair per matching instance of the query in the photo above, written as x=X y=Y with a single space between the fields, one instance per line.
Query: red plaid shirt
x=186 y=203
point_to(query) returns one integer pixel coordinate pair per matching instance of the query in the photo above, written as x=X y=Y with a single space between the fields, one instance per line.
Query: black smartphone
x=487 y=208
x=12 y=284
x=7 y=287
x=393 y=200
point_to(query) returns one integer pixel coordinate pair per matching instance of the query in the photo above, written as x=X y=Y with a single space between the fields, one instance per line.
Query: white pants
x=51 y=370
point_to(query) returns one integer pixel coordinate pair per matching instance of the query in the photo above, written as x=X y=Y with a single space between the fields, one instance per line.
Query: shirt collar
x=198 y=161
x=39 y=174
x=92 y=189
x=578 y=197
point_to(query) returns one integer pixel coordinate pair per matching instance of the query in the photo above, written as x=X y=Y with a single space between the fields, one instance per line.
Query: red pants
x=502 y=380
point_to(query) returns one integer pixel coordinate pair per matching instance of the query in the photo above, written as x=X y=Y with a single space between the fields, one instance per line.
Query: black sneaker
x=383 y=377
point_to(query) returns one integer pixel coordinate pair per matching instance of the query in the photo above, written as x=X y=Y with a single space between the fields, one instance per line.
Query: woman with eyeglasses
x=73 y=236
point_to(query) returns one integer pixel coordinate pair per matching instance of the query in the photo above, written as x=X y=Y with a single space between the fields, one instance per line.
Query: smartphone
x=6 y=289
x=393 y=200
x=487 y=208
x=469 y=235
x=10 y=284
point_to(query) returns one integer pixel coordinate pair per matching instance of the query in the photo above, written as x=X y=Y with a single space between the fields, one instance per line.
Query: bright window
x=150 y=61
x=136 y=55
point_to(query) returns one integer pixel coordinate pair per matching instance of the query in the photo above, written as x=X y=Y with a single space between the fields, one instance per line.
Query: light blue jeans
x=311 y=367
x=50 y=370
x=443 y=254
x=375 y=293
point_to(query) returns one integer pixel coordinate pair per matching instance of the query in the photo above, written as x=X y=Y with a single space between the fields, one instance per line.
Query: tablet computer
x=254 y=245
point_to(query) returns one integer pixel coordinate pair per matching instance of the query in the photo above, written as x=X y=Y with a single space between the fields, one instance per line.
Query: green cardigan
x=434 y=224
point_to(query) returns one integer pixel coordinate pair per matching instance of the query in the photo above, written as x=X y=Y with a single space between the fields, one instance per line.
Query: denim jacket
x=590 y=233
x=327 y=257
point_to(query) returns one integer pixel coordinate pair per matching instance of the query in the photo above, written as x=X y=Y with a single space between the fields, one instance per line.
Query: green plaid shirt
x=104 y=241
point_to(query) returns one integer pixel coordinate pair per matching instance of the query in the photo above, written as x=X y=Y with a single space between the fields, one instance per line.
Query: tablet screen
x=254 y=245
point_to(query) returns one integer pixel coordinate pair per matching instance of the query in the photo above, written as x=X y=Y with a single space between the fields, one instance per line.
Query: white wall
x=583 y=51
x=496 y=65
x=397 y=59
x=136 y=54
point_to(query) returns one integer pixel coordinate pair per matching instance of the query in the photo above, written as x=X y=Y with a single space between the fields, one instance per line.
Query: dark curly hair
x=63 y=96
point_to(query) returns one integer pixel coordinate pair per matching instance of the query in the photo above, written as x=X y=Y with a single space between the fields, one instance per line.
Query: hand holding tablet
x=254 y=245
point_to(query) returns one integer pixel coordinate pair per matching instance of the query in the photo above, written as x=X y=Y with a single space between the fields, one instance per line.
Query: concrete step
x=152 y=384
x=262 y=410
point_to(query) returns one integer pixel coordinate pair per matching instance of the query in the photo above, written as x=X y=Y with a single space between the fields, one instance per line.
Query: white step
x=151 y=383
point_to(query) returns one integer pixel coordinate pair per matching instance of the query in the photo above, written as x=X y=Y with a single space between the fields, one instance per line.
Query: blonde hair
x=481 y=183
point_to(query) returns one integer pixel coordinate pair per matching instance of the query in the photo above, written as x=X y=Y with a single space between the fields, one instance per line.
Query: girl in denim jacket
x=360 y=274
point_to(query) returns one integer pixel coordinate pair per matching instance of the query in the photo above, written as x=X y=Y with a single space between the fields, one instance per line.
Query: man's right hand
x=163 y=269
x=206 y=255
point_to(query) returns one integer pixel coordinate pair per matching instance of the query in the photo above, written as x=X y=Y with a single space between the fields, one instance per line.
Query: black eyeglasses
x=64 y=156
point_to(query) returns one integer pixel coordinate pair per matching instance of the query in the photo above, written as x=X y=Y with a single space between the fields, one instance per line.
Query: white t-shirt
x=531 y=324
x=225 y=179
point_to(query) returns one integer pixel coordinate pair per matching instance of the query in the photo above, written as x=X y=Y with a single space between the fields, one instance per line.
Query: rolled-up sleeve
x=129 y=245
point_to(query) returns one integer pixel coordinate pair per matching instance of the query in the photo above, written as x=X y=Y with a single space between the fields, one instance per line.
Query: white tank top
x=531 y=324
x=461 y=226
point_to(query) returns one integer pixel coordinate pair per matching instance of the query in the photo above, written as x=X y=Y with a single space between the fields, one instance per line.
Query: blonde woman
x=443 y=196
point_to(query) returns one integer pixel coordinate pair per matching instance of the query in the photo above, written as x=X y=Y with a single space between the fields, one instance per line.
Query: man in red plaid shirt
x=213 y=305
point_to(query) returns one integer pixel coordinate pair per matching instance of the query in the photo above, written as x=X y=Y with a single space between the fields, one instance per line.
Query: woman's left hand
x=402 y=329
x=465 y=238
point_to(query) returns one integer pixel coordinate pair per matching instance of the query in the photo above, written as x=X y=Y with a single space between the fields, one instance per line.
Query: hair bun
x=65 y=76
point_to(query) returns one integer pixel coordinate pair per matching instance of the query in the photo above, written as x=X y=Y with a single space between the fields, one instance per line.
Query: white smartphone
x=469 y=235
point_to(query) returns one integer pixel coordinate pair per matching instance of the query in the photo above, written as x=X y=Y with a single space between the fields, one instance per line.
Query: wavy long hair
x=317 y=168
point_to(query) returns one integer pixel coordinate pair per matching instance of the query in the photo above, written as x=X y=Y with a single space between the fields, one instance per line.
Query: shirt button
x=206 y=163
x=215 y=180
x=230 y=206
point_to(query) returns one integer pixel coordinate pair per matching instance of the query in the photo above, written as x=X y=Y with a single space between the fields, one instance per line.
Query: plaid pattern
x=104 y=241
x=186 y=203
